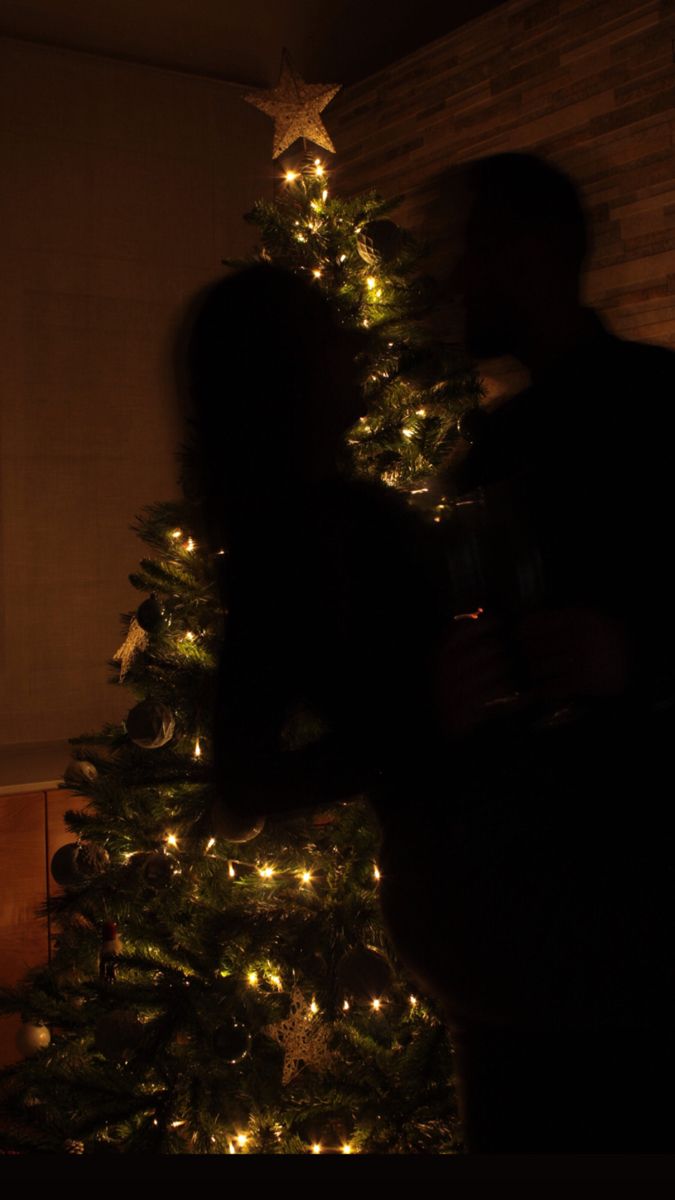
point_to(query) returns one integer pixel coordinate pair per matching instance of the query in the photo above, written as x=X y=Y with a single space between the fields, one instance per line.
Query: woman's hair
x=249 y=365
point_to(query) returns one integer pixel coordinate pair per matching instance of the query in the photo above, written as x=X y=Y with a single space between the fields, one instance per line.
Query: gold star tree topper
x=295 y=106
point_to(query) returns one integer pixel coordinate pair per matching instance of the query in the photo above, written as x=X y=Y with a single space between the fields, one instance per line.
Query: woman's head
x=271 y=382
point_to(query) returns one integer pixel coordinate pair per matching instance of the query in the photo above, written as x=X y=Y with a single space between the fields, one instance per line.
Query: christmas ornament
x=232 y=826
x=31 y=1038
x=380 y=241
x=79 y=773
x=303 y=1037
x=135 y=642
x=363 y=973
x=76 y=862
x=111 y=948
x=154 y=868
x=295 y=106
x=117 y=1034
x=149 y=614
x=471 y=423
x=232 y=1041
x=150 y=724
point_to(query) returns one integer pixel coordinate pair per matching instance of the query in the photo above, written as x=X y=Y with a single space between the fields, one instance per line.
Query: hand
x=476 y=676
x=574 y=651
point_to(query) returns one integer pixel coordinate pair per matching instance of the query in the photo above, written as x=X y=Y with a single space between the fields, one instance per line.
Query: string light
x=324 y=194
x=408 y=433
x=376 y=873
x=345 y=1006
x=377 y=1005
x=418 y=491
x=291 y=176
x=346 y=1149
x=189 y=636
x=316 y=1148
x=371 y=282
x=230 y=870
x=413 y=1001
x=189 y=545
x=177 y=1124
x=314 y=1008
x=210 y=844
x=301 y=237
x=198 y=749
x=253 y=978
x=421 y=412
x=306 y=877
x=177 y=533
x=318 y=167
x=266 y=872
x=343 y=257
x=316 y=273
x=231 y=1149
x=276 y=980
x=242 y=1139
x=172 y=839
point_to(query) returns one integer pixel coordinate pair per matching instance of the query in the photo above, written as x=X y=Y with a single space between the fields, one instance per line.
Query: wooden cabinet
x=31 y=830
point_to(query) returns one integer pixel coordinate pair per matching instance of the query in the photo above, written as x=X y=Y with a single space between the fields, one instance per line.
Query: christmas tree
x=213 y=989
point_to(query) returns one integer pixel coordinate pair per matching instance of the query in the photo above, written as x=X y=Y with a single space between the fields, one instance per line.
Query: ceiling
x=241 y=40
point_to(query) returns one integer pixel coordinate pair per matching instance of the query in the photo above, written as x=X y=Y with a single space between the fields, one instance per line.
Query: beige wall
x=122 y=188
x=588 y=83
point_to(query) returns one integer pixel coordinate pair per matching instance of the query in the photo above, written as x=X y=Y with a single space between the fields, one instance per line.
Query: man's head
x=524 y=243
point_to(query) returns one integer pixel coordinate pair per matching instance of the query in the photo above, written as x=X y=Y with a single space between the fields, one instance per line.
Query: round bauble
x=233 y=826
x=154 y=868
x=31 y=1038
x=76 y=862
x=471 y=423
x=363 y=973
x=79 y=773
x=232 y=1041
x=117 y=1034
x=150 y=724
x=149 y=614
x=380 y=241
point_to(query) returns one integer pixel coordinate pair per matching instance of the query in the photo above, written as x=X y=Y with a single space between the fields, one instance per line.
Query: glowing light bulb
x=306 y=877
x=276 y=980
x=376 y=873
x=253 y=978
x=314 y=1008
x=301 y=237
x=242 y=1139
x=177 y=1124
x=189 y=545
x=316 y=273
x=413 y=1001
x=172 y=840
x=291 y=176
x=177 y=533
x=343 y=257
x=421 y=412
x=346 y=1149
x=377 y=1005
x=324 y=194
x=371 y=282
x=231 y=1149
x=266 y=872
x=189 y=636
x=198 y=749
x=345 y=1006
x=210 y=844
x=316 y=1148
x=408 y=433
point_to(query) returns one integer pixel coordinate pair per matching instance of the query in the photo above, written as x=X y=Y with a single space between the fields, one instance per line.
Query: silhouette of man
x=558 y=980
